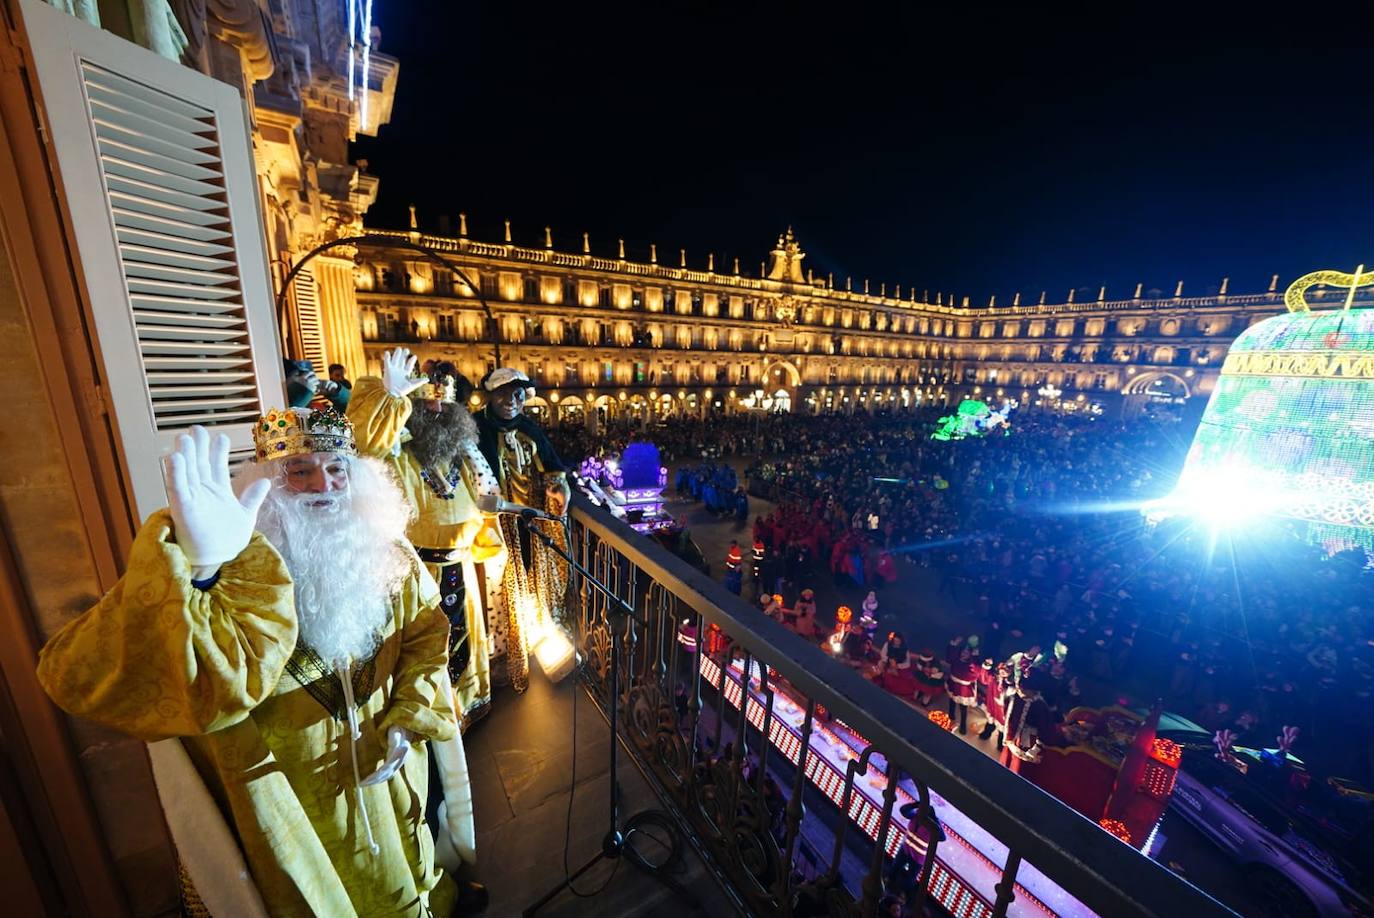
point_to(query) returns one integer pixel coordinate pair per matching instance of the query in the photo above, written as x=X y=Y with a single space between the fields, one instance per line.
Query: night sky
x=974 y=157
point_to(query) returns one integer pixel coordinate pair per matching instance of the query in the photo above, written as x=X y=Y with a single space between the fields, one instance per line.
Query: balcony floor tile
x=521 y=765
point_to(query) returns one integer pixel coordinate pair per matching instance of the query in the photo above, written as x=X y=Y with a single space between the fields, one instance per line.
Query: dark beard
x=435 y=439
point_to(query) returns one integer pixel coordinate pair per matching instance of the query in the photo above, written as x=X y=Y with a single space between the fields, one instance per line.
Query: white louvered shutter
x=306 y=294
x=156 y=164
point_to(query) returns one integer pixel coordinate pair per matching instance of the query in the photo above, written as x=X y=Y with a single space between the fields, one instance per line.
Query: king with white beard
x=303 y=665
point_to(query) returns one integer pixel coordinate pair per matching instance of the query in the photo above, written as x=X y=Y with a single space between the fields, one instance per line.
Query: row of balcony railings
x=669 y=310
x=403 y=337
x=797 y=780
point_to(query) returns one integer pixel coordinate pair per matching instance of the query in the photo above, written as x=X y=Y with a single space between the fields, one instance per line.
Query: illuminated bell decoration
x=1288 y=432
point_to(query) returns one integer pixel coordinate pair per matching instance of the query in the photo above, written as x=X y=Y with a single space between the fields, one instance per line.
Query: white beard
x=342 y=553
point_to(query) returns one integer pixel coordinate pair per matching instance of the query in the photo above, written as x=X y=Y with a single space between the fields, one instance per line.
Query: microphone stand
x=615 y=843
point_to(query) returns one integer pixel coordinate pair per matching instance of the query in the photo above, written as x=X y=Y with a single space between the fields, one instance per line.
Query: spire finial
x=1042 y=297
x=898 y=294
x=848 y=284
x=992 y=301
x=586 y=244
x=1070 y=295
x=1138 y=288
x=882 y=289
x=462 y=225
x=1274 y=284
x=682 y=258
x=413 y=224
x=865 y=286
x=548 y=238
x=653 y=254
x=1102 y=293
x=508 y=231
x=1225 y=282
x=736 y=266
x=711 y=262
x=622 y=250
x=1178 y=291
x=1016 y=300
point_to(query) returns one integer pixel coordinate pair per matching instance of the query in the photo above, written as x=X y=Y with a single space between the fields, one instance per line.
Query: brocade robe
x=263 y=720
x=453 y=524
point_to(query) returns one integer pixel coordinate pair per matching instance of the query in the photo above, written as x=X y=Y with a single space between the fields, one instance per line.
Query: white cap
x=504 y=376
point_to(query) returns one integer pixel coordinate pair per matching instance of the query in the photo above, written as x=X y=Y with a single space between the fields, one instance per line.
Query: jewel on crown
x=285 y=432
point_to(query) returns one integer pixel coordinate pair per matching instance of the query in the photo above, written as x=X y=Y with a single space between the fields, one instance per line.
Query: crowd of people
x=1037 y=541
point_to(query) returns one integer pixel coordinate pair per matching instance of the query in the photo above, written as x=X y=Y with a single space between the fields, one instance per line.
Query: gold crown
x=286 y=432
x=443 y=389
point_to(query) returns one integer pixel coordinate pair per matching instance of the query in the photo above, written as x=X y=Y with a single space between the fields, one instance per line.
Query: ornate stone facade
x=624 y=335
x=289 y=59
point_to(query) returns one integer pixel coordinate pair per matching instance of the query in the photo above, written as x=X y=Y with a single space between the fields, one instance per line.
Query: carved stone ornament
x=785 y=308
x=241 y=23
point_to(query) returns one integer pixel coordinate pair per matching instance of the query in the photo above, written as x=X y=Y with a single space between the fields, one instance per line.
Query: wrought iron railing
x=709 y=677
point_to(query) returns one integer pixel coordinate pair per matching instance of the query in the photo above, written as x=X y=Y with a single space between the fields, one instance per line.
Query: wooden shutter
x=156 y=167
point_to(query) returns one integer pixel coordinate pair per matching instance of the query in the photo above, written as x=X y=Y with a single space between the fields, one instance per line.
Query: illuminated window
x=489 y=288
x=608 y=370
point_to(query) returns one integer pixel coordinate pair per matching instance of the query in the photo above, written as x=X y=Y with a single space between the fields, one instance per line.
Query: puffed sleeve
x=158 y=657
x=378 y=417
x=421 y=700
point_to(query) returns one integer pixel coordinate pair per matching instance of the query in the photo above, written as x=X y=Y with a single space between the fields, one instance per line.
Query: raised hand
x=212 y=523
x=398 y=372
x=398 y=744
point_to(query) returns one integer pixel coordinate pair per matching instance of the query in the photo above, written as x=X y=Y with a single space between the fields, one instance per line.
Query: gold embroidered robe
x=379 y=421
x=222 y=669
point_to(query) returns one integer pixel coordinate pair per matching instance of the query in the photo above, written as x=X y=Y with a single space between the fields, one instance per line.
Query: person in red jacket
x=994 y=682
x=961 y=676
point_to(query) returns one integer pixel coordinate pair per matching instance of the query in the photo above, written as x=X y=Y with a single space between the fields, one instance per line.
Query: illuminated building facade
x=162 y=163
x=314 y=81
x=624 y=335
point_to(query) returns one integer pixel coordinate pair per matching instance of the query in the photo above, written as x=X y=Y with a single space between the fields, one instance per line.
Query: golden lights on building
x=628 y=336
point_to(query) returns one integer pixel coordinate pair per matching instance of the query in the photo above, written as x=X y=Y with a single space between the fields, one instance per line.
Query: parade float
x=1112 y=768
x=1288 y=433
x=633 y=482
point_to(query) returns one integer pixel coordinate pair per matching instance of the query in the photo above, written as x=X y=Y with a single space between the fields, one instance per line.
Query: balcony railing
x=836 y=743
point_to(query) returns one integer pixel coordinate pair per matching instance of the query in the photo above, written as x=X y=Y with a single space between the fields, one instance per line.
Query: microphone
x=490 y=503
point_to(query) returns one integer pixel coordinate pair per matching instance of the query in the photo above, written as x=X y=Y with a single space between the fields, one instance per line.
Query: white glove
x=398 y=372
x=212 y=523
x=398 y=745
